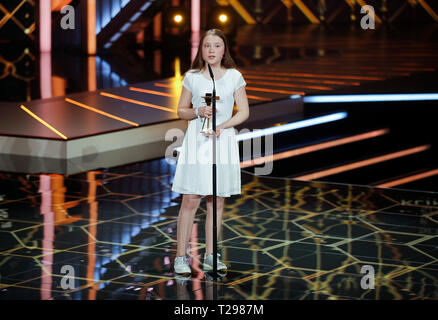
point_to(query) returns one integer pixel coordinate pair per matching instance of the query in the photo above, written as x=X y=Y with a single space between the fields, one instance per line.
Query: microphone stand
x=214 y=178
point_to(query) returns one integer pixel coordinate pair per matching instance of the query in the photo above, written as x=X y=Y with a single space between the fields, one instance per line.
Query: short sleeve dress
x=193 y=173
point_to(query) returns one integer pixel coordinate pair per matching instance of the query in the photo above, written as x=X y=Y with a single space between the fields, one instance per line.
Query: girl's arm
x=185 y=110
x=242 y=109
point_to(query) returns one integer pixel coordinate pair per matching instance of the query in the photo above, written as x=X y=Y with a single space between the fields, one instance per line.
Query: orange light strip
x=274 y=90
x=306 y=86
x=428 y=9
x=258 y=98
x=313 y=148
x=43 y=122
x=137 y=102
x=248 y=76
x=151 y=92
x=363 y=163
x=100 y=112
x=315 y=75
x=164 y=85
x=415 y=177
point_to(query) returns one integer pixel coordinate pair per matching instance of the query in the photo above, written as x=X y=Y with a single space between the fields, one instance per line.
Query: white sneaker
x=181 y=265
x=182 y=280
x=208 y=263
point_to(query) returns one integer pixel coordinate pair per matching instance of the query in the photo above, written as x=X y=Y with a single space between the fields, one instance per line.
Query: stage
x=282 y=239
x=348 y=210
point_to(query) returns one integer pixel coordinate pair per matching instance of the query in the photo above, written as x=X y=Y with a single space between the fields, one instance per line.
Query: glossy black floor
x=112 y=235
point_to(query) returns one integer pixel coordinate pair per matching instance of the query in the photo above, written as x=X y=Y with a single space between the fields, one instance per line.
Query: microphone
x=214 y=178
x=211 y=71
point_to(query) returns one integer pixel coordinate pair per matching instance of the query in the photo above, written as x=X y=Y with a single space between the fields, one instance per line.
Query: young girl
x=193 y=176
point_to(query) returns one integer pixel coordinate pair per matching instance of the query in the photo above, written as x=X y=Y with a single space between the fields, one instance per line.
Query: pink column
x=196 y=26
x=45 y=25
x=46 y=75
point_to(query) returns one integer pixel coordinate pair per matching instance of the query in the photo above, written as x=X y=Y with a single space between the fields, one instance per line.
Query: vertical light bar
x=48 y=236
x=92 y=235
x=157 y=27
x=157 y=61
x=46 y=75
x=196 y=15
x=196 y=26
x=91 y=27
x=92 y=75
x=45 y=9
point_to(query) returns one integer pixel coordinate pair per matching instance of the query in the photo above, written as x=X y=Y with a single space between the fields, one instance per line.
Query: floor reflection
x=112 y=235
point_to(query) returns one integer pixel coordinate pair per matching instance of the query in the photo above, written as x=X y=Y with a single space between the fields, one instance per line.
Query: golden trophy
x=208 y=129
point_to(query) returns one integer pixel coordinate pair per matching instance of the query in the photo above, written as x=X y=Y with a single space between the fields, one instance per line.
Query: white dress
x=194 y=172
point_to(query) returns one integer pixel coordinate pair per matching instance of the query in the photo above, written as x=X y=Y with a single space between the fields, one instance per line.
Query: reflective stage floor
x=112 y=235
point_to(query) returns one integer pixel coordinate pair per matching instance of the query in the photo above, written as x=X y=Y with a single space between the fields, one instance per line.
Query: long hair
x=226 y=62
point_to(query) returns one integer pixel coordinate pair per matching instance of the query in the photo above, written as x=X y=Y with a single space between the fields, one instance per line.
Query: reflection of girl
x=193 y=176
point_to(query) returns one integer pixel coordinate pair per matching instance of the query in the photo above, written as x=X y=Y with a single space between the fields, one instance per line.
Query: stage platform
x=106 y=128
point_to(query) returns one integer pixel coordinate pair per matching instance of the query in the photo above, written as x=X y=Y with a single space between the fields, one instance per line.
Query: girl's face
x=213 y=50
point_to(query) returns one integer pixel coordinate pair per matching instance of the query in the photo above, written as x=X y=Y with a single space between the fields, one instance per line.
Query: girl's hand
x=206 y=112
x=219 y=130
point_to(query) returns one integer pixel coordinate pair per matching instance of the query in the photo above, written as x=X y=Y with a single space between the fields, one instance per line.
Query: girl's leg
x=189 y=206
x=209 y=221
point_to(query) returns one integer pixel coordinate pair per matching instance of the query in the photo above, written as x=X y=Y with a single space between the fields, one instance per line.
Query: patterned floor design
x=111 y=234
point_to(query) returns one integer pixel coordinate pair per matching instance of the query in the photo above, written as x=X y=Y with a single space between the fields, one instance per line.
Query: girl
x=193 y=176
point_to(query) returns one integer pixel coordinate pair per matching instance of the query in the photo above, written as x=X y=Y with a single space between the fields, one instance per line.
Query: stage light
x=223 y=18
x=176 y=22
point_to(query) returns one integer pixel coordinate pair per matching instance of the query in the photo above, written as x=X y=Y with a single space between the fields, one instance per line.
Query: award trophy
x=207 y=128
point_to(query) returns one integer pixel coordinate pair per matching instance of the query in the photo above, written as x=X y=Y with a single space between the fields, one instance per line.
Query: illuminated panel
x=137 y=102
x=360 y=164
x=372 y=98
x=415 y=177
x=43 y=122
x=288 y=127
x=100 y=112
x=313 y=148
x=292 y=126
